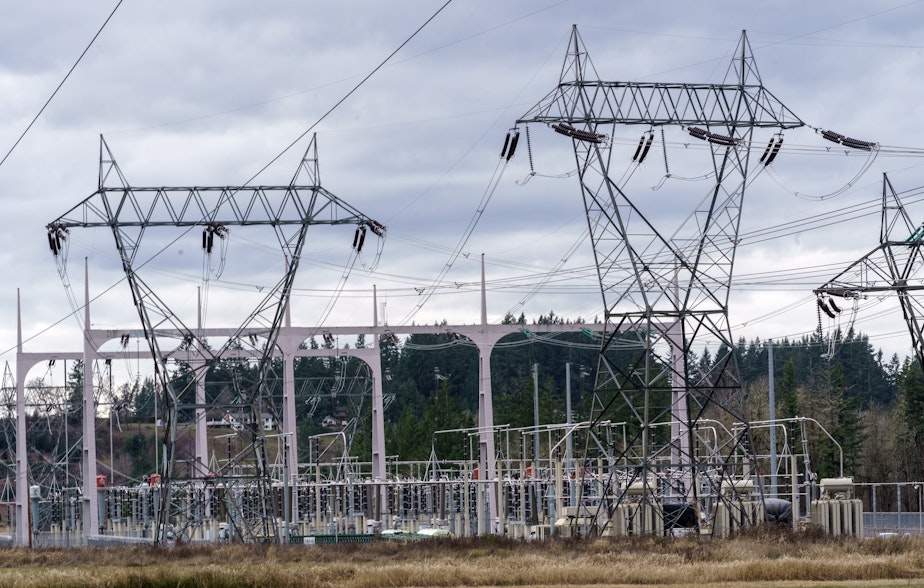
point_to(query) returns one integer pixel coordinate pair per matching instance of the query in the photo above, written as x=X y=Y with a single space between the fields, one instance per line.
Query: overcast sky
x=210 y=92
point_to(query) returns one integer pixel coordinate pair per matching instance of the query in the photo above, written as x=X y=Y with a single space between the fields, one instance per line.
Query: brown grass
x=767 y=558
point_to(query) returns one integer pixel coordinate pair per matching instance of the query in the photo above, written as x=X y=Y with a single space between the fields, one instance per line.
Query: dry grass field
x=769 y=558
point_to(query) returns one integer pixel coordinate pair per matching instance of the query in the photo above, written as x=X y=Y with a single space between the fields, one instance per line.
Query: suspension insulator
x=834 y=306
x=355 y=237
x=529 y=151
x=647 y=147
x=362 y=239
x=52 y=244
x=638 y=150
x=587 y=136
x=857 y=144
x=504 y=148
x=697 y=132
x=578 y=134
x=205 y=238
x=721 y=139
x=768 y=149
x=824 y=308
x=776 y=149
x=832 y=136
x=377 y=227
x=513 y=145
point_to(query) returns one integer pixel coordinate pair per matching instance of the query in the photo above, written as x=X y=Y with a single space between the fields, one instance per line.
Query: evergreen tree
x=143 y=402
x=444 y=412
x=849 y=427
x=786 y=392
x=911 y=384
x=75 y=393
x=140 y=450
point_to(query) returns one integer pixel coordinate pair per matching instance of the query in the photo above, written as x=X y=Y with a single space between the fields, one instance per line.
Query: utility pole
x=772 y=401
x=536 y=420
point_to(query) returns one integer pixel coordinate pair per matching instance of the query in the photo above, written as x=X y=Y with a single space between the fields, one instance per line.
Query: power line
x=348 y=94
x=53 y=94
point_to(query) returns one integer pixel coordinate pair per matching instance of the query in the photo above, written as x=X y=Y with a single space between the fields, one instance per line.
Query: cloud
x=209 y=93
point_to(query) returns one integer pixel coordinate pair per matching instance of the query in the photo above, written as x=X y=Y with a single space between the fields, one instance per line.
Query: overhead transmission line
x=350 y=93
x=66 y=76
x=347 y=268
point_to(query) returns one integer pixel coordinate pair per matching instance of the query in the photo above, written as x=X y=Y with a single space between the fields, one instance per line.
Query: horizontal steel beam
x=638 y=103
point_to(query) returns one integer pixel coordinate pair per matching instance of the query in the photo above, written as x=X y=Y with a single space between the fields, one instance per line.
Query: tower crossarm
x=196 y=206
x=893 y=266
x=641 y=103
x=873 y=273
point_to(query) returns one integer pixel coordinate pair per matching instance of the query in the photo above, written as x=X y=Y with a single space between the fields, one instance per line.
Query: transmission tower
x=666 y=289
x=893 y=266
x=243 y=487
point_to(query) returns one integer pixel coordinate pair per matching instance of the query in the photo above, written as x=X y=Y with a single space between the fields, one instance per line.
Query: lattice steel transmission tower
x=893 y=266
x=241 y=489
x=666 y=289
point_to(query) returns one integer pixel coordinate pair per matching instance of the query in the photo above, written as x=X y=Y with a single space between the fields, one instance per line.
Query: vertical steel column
x=22 y=456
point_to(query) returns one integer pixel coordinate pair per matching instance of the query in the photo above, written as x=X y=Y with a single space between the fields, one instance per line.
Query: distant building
x=240 y=420
x=332 y=422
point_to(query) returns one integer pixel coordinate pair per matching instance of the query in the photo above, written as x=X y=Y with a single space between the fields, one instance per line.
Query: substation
x=665 y=449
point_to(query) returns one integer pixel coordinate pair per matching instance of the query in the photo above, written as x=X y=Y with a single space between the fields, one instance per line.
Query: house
x=239 y=420
x=331 y=422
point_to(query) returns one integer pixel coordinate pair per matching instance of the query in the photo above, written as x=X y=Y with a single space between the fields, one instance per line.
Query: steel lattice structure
x=666 y=290
x=244 y=486
x=893 y=266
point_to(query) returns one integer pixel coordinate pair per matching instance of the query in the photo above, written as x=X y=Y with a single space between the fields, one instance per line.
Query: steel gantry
x=288 y=211
x=667 y=288
x=893 y=266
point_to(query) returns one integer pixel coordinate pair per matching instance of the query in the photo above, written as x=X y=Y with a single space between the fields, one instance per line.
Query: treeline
x=872 y=406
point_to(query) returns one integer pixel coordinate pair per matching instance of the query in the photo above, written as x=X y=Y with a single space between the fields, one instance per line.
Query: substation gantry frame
x=666 y=292
x=289 y=210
